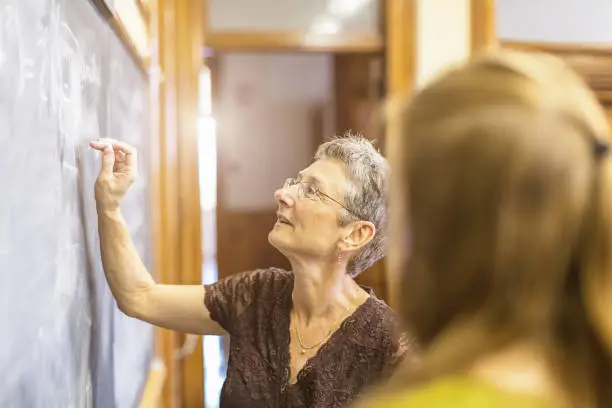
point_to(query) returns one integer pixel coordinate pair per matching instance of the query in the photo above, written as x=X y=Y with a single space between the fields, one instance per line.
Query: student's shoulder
x=458 y=392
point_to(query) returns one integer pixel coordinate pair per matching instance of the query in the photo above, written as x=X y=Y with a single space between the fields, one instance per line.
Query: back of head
x=509 y=206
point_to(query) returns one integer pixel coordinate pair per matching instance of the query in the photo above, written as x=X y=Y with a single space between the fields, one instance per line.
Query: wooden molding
x=401 y=54
x=482 y=24
x=401 y=41
x=145 y=9
x=593 y=62
x=558 y=48
x=292 y=41
x=152 y=394
x=188 y=37
x=165 y=171
x=143 y=61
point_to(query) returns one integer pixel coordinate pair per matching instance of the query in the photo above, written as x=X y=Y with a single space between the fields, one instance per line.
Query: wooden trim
x=144 y=10
x=593 y=62
x=291 y=41
x=103 y=9
x=483 y=34
x=142 y=61
x=161 y=215
x=189 y=18
x=402 y=37
x=166 y=172
x=152 y=394
x=559 y=48
x=204 y=27
x=401 y=17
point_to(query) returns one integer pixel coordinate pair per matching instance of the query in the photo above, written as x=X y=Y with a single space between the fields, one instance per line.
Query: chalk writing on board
x=11 y=44
x=66 y=346
x=5 y=204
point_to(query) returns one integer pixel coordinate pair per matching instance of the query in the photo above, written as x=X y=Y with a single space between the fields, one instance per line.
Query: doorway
x=269 y=112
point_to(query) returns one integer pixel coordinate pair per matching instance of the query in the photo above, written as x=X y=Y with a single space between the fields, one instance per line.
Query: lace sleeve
x=404 y=350
x=407 y=349
x=228 y=298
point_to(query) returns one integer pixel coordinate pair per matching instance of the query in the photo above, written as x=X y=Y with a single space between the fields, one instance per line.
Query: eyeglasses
x=311 y=191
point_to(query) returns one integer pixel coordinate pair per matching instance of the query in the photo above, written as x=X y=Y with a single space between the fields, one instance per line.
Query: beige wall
x=443 y=35
x=317 y=16
x=265 y=124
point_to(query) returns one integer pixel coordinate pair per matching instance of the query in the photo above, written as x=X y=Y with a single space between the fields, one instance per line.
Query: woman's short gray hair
x=365 y=193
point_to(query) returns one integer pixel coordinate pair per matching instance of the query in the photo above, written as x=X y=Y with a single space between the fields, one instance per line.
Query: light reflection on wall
x=214 y=361
x=207 y=129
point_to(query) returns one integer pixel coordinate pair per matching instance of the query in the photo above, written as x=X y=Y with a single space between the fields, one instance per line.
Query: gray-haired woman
x=311 y=337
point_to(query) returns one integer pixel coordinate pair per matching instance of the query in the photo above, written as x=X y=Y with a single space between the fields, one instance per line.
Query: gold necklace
x=304 y=348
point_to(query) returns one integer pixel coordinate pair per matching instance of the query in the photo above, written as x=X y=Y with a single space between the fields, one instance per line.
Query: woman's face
x=308 y=217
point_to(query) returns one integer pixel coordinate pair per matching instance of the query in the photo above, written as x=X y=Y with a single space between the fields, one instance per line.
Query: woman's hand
x=118 y=172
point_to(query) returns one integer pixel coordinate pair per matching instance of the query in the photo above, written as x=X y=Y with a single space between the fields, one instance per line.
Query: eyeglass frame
x=293 y=181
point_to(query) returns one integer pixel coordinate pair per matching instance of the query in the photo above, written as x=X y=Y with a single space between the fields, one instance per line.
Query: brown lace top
x=254 y=308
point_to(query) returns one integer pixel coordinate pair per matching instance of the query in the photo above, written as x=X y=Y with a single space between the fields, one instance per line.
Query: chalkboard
x=65 y=78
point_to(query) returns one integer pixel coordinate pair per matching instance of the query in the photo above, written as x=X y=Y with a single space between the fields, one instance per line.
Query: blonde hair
x=509 y=198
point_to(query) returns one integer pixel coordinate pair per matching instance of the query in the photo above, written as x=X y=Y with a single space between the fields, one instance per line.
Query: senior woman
x=311 y=337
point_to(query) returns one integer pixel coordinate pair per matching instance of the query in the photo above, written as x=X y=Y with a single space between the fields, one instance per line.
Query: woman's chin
x=275 y=237
x=280 y=239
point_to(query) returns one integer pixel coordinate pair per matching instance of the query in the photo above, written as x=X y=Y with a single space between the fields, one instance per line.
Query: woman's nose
x=284 y=198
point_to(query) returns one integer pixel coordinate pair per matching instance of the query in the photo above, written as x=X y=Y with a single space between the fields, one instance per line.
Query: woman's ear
x=358 y=234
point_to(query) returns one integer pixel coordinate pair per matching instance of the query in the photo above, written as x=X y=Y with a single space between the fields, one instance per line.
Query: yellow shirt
x=458 y=393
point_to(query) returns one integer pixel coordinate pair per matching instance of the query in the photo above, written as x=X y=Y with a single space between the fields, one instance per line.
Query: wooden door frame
x=164 y=177
x=399 y=42
x=277 y=41
x=174 y=74
x=593 y=62
x=292 y=41
x=401 y=54
x=482 y=24
x=190 y=17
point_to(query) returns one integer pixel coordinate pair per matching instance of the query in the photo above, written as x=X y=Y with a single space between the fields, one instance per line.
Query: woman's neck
x=320 y=291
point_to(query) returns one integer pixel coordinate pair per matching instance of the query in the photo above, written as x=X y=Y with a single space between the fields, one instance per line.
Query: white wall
x=325 y=16
x=564 y=21
x=443 y=35
x=265 y=127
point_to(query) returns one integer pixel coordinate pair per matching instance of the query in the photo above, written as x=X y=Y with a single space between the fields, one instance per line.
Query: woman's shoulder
x=382 y=319
x=459 y=392
x=380 y=329
x=273 y=276
x=268 y=282
x=246 y=287
x=265 y=277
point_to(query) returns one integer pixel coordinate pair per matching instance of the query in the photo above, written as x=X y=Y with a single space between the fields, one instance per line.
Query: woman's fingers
x=100 y=144
x=125 y=149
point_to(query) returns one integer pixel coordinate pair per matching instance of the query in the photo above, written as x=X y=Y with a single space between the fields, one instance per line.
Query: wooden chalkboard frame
x=119 y=29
